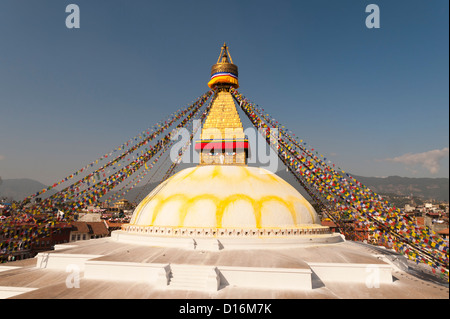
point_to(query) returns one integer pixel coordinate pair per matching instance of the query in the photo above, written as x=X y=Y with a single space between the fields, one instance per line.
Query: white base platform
x=8 y=292
x=104 y=268
x=191 y=269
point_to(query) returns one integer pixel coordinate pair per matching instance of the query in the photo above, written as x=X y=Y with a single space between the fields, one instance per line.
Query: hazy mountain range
x=18 y=189
x=425 y=188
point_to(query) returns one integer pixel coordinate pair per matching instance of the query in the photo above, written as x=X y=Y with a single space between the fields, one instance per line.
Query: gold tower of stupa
x=222 y=140
x=223 y=198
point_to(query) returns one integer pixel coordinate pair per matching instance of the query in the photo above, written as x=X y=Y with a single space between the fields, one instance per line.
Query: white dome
x=216 y=196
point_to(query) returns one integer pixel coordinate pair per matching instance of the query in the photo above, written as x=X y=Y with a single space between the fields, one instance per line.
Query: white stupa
x=224 y=207
x=218 y=230
x=223 y=203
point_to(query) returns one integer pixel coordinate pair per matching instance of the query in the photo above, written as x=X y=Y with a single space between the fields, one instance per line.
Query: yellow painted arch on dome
x=162 y=202
x=221 y=204
x=232 y=198
x=204 y=175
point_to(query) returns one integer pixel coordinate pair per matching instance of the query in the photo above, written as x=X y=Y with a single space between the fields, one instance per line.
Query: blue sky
x=373 y=101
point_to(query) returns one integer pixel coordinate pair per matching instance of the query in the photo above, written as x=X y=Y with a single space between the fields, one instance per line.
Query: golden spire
x=222 y=140
x=224 y=54
x=224 y=73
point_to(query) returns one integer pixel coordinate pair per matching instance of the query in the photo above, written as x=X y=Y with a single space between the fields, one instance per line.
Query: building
x=444 y=233
x=113 y=225
x=46 y=240
x=58 y=234
x=88 y=230
x=409 y=208
x=123 y=204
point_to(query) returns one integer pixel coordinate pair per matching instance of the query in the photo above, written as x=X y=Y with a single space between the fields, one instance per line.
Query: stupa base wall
x=372 y=275
x=179 y=276
x=154 y=273
x=226 y=242
x=267 y=278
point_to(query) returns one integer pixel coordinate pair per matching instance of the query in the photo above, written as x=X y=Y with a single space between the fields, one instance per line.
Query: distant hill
x=18 y=189
x=425 y=188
